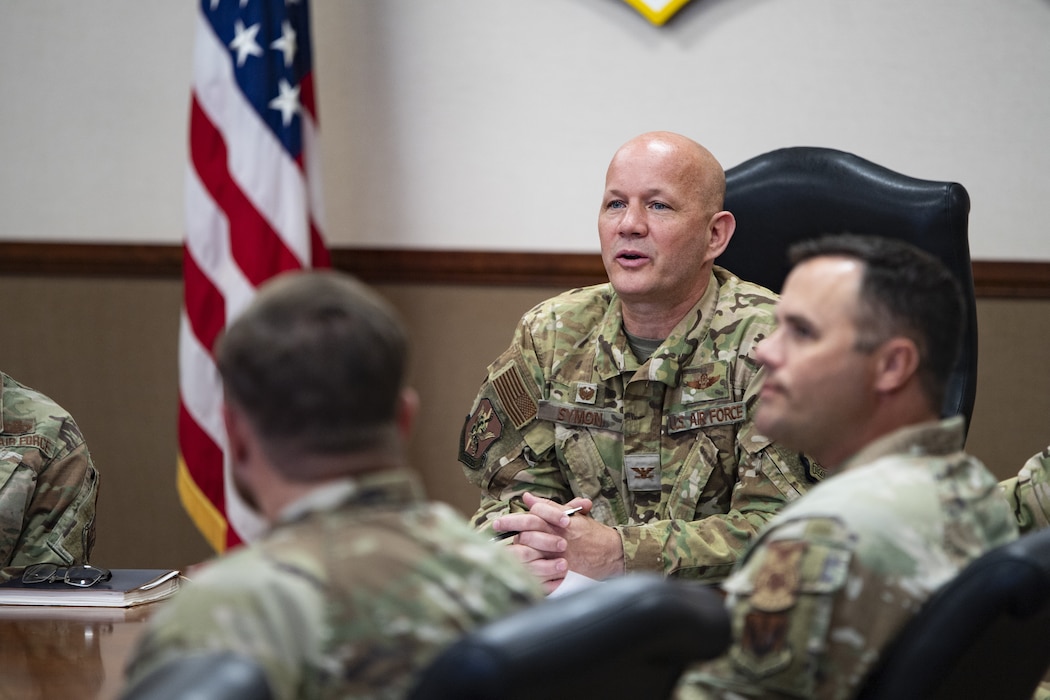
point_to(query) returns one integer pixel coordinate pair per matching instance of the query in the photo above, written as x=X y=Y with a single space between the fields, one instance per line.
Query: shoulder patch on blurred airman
x=483 y=427
x=763 y=649
x=762 y=643
x=814 y=472
x=778 y=580
x=514 y=395
x=764 y=646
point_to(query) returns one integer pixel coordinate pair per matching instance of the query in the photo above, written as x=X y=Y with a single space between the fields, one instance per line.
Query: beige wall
x=466 y=124
x=106 y=350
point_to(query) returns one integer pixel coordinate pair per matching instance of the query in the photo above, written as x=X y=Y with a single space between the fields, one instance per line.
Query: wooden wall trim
x=1018 y=280
x=992 y=279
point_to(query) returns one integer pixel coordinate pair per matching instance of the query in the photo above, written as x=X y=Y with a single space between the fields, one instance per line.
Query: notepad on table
x=126 y=587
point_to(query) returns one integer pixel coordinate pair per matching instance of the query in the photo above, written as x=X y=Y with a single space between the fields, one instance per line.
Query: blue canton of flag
x=277 y=35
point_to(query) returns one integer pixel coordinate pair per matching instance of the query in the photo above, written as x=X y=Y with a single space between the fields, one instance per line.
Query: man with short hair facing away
x=867 y=333
x=359 y=582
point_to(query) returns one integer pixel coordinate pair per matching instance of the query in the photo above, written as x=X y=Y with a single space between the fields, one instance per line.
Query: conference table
x=71 y=653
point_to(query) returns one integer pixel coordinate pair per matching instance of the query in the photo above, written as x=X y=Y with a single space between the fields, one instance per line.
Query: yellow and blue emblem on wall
x=657 y=11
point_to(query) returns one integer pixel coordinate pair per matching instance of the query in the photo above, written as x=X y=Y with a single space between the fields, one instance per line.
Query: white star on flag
x=286 y=43
x=244 y=42
x=287 y=102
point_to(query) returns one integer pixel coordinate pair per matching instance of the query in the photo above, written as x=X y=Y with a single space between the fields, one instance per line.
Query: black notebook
x=125 y=588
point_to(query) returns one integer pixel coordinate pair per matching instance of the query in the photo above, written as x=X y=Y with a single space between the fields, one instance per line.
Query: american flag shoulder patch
x=514 y=395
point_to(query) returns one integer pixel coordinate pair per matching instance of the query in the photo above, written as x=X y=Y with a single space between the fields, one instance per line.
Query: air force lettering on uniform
x=722 y=414
x=611 y=419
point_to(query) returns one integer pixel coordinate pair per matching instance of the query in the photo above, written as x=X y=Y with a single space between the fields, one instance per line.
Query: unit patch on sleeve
x=764 y=647
x=779 y=579
x=483 y=427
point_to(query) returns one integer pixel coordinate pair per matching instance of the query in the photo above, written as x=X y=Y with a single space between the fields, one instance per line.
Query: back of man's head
x=317 y=363
x=904 y=291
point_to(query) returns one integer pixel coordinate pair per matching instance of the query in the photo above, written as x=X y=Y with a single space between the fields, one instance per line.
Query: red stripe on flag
x=307 y=97
x=321 y=256
x=205 y=308
x=255 y=246
x=204 y=462
x=202 y=457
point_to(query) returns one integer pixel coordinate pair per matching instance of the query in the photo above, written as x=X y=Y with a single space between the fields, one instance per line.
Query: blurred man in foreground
x=867 y=332
x=359 y=582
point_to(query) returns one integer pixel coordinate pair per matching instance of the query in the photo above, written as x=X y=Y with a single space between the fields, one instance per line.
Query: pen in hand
x=511 y=533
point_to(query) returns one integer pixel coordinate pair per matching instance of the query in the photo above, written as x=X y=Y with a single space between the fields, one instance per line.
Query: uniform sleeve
x=1028 y=493
x=809 y=618
x=505 y=450
x=55 y=502
x=708 y=546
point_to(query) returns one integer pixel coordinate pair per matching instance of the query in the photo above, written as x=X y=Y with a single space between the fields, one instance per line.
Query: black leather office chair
x=792 y=194
x=985 y=634
x=203 y=676
x=629 y=637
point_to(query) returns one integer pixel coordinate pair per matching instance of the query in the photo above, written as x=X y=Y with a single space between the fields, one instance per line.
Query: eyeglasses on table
x=82 y=576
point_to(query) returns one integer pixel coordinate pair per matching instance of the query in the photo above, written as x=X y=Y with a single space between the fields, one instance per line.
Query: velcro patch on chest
x=708 y=382
x=719 y=414
x=581 y=416
x=642 y=471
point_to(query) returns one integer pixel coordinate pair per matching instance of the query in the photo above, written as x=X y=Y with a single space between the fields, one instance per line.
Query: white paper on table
x=571 y=583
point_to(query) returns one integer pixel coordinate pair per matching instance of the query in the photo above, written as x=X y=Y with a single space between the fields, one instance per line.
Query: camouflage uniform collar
x=389 y=486
x=3 y=383
x=614 y=354
x=933 y=438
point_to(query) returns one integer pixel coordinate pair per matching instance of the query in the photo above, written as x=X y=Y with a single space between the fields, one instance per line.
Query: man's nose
x=634 y=221
x=767 y=350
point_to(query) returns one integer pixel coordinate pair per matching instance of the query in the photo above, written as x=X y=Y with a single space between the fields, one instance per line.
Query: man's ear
x=407 y=409
x=236 y=437
x=897 y=361
x=721 y=228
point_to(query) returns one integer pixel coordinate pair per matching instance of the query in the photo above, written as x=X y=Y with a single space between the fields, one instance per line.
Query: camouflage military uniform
x=837 y=574
x=352 y=593
x=666 y=449
x=1028 y=493
x=48 y=485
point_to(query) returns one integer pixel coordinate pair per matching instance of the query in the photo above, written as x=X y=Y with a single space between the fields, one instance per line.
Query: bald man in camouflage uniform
x=360 y=582
x=857 y=368
x=633 y=399
x=48 y=484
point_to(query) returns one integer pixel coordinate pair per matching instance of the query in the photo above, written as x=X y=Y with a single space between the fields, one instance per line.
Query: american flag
x=253 y=210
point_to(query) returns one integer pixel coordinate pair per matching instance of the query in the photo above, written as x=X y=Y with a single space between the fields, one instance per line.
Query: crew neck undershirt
x=643 y=348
